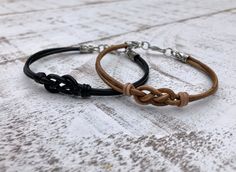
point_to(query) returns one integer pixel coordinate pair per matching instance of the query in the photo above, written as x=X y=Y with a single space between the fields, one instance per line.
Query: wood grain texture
x=47 y=132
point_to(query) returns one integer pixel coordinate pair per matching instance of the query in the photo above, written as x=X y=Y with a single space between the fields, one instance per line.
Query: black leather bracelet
x=66 y=84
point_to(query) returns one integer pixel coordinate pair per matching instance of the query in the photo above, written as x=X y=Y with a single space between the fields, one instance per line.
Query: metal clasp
x=131 y=54
x=158 y=49
x=92 y=48
x=169 y=52
x=133 y=44
x=87 y=49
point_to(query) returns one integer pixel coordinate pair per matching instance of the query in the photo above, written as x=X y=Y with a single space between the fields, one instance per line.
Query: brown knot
x=158 y=97
x=184 y=98
x=127 y=88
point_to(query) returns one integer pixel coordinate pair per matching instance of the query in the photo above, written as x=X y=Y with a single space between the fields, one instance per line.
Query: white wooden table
x=40 y=131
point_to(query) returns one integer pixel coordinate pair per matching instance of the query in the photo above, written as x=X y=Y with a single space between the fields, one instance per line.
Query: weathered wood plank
x=82 y=24
x=26 y=6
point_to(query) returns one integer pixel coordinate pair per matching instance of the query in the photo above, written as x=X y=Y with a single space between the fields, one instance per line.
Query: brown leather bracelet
x=161 y=96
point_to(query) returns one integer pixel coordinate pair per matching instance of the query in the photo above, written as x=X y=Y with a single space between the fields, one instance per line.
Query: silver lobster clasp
x=169 y=52
x=133 y=44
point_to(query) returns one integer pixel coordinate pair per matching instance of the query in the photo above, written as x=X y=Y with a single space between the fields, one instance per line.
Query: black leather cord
x=66 y=84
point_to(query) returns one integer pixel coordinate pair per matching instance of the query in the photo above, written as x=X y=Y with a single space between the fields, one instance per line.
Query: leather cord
x=149 y=95
x=66 y=84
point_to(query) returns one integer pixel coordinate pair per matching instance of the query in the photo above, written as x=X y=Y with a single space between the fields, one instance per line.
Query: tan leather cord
x=149 y=95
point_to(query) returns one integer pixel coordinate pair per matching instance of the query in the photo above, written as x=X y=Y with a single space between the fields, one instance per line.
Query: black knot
x=41 y=78
x=85 y=90
x=71 y=85
x=53 y=84
x=65 y=84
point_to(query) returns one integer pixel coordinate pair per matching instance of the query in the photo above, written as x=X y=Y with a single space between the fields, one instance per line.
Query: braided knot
x=160 y=97
x=65 y=84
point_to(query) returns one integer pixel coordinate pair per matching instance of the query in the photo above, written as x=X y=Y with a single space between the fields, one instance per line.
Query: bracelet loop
x=149 y=95
x=66 y=84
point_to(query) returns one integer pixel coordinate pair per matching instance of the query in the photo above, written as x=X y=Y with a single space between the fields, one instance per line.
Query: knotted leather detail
x=65 y=84
x=158 y=97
